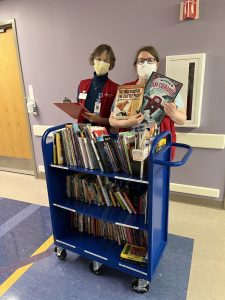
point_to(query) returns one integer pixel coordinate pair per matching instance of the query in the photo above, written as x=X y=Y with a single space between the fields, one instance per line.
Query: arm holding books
x=177 y=115
x=130 y=122
x=94 y=118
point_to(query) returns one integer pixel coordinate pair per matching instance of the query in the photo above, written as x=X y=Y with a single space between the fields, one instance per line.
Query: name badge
x=97 y=107
x=83 y=96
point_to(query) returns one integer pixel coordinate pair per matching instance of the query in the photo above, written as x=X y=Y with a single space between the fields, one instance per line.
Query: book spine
x=72 y=144
x=54 y=150
x=129 y=202
x=90 y=163
x=124 y=202
x=97 y=155
x=59 y=150
x=83 y=152
x=110 y=157
x=104 y=191
x=119 y=200
x=122 y=151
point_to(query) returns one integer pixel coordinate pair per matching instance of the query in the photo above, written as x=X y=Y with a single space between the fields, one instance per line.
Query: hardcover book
x=59 y=148
x=158 y=90
x=135 y=254
x=128 y=101
x=128 y=140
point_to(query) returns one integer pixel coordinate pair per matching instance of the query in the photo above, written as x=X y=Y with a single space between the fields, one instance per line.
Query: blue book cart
x=102 y=251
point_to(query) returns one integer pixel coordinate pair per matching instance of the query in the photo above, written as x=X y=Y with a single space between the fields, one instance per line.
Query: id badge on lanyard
x=97 y=107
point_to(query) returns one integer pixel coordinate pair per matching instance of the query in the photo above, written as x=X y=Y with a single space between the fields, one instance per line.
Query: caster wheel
x=60 y=253
x=140 y=288
x=96 y=272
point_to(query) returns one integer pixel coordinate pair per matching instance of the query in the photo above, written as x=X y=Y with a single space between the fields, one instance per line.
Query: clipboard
x=73 y=109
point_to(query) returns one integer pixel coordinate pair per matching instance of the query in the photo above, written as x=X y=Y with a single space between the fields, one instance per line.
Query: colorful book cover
x=158 y=90
x=128 y=101
x=134 y=253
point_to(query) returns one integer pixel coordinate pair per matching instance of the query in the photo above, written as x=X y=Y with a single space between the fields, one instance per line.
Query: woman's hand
x=94 y=118
x=130 y=122
x=136 y=119
x=178 y=116
x=170 y=109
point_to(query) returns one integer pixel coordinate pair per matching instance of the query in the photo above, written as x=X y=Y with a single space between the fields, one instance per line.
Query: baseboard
x=41 y=175
x=202 y=140
x=41 y=169
x=39 y=130
x=195 y=190
x=196 y=200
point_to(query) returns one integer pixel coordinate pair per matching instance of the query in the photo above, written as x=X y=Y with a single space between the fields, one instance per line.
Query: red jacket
x=166 y=124
x=109 y=93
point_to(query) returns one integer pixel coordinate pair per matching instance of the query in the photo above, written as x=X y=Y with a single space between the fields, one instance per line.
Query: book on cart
x=73 y=109
x=159 y=89
x=134 y=254
x=128 y=101
x=91 y=147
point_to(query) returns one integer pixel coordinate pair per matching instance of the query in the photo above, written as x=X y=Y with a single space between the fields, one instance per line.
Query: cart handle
x=176 y=163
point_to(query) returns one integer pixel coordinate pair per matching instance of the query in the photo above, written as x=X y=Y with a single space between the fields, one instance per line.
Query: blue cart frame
x=100 y=250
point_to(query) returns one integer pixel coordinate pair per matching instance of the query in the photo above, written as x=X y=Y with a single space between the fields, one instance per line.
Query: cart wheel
x=60 y=253
x=98 y=271
x=140 y=286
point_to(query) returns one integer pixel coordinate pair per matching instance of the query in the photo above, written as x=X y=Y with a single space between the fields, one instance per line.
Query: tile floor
x=205 y=225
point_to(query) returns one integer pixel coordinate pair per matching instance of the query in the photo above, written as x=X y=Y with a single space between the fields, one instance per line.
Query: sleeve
x=179 y=101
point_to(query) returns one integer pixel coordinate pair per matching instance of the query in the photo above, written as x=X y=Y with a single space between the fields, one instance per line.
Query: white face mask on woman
x=101 y=67
x=145 y=70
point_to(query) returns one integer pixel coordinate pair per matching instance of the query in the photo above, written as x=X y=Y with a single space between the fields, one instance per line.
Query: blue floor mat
x=72 y=279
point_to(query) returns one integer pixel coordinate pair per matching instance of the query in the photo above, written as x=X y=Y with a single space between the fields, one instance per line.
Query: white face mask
x=101 y=67
x=144 y=71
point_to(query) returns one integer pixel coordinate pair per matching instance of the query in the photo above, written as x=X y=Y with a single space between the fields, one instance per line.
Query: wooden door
x=15 y=141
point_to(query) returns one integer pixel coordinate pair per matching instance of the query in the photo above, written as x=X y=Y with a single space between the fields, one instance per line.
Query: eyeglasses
x=141 y=61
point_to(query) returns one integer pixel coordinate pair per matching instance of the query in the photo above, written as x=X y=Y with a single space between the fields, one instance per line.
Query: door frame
x=12 y=24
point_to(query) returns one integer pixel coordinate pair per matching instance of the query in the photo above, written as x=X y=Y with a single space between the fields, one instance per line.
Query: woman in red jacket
x=97 y=94
x=147 y=61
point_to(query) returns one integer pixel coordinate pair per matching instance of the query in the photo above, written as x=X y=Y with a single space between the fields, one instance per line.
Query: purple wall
x=56 y=38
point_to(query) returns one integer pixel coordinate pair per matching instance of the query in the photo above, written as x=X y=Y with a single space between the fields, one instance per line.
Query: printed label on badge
x=97 y=107
x=83 y=96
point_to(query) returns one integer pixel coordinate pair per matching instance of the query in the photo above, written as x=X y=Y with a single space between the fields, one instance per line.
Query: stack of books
x=94 y=189
x=118 y=233
x=91 y=147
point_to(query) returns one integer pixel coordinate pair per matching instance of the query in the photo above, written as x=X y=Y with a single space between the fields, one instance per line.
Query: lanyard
x=100 y=95
x=98 y=104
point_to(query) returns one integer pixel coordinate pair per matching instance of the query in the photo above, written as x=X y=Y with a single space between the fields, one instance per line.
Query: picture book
x=134 y=254
x=128 y=101
x=158 y=90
